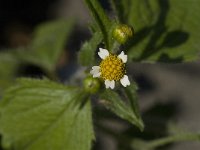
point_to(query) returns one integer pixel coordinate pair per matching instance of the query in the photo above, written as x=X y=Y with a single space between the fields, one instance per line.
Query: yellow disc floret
x=112 y=68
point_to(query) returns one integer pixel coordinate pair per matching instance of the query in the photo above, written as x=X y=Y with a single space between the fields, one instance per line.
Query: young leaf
x=104 y=23
x=166 y=31
x=48 y=44
x=39 y=115
x=127 y=111
x=86 y=55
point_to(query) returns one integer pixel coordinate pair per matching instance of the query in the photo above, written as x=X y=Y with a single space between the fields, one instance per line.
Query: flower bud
x=91 y=85
x=122 y=33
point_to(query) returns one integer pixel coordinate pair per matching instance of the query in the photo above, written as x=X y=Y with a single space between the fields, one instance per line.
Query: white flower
x=111 y=68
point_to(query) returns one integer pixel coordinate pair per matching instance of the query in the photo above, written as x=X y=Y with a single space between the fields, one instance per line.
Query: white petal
x=107 y=83
x=96 y=75
x=123 y=57
x=96 y=67
x=103 y=53
x=125 y=81
x=95 y=71
x=110 y=84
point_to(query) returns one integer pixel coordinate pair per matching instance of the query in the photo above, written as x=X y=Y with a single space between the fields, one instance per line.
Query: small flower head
x=91 y=85
x=122 y=33
x=111 y=68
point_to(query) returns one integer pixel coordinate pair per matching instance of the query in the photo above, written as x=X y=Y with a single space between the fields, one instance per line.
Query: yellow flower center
x=112 y=68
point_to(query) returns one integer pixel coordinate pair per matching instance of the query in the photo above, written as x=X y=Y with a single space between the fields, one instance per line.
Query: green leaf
x=131 y=94
x=166 y=31
x=48 y=44
x=86 y=55
x=127 y=110
x=8 y=68
x=104 y=23
x=41 y=115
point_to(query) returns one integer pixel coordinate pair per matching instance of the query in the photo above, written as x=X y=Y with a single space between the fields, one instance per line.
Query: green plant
x=39 y=114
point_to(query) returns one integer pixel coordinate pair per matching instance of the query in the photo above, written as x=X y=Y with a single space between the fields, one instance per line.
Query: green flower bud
x=122 y=33
x=91 y=85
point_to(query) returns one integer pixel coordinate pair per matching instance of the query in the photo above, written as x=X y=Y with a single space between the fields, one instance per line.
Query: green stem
x=141 y=145
x=117 y=7
x=101 y=18
x=175 y=138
